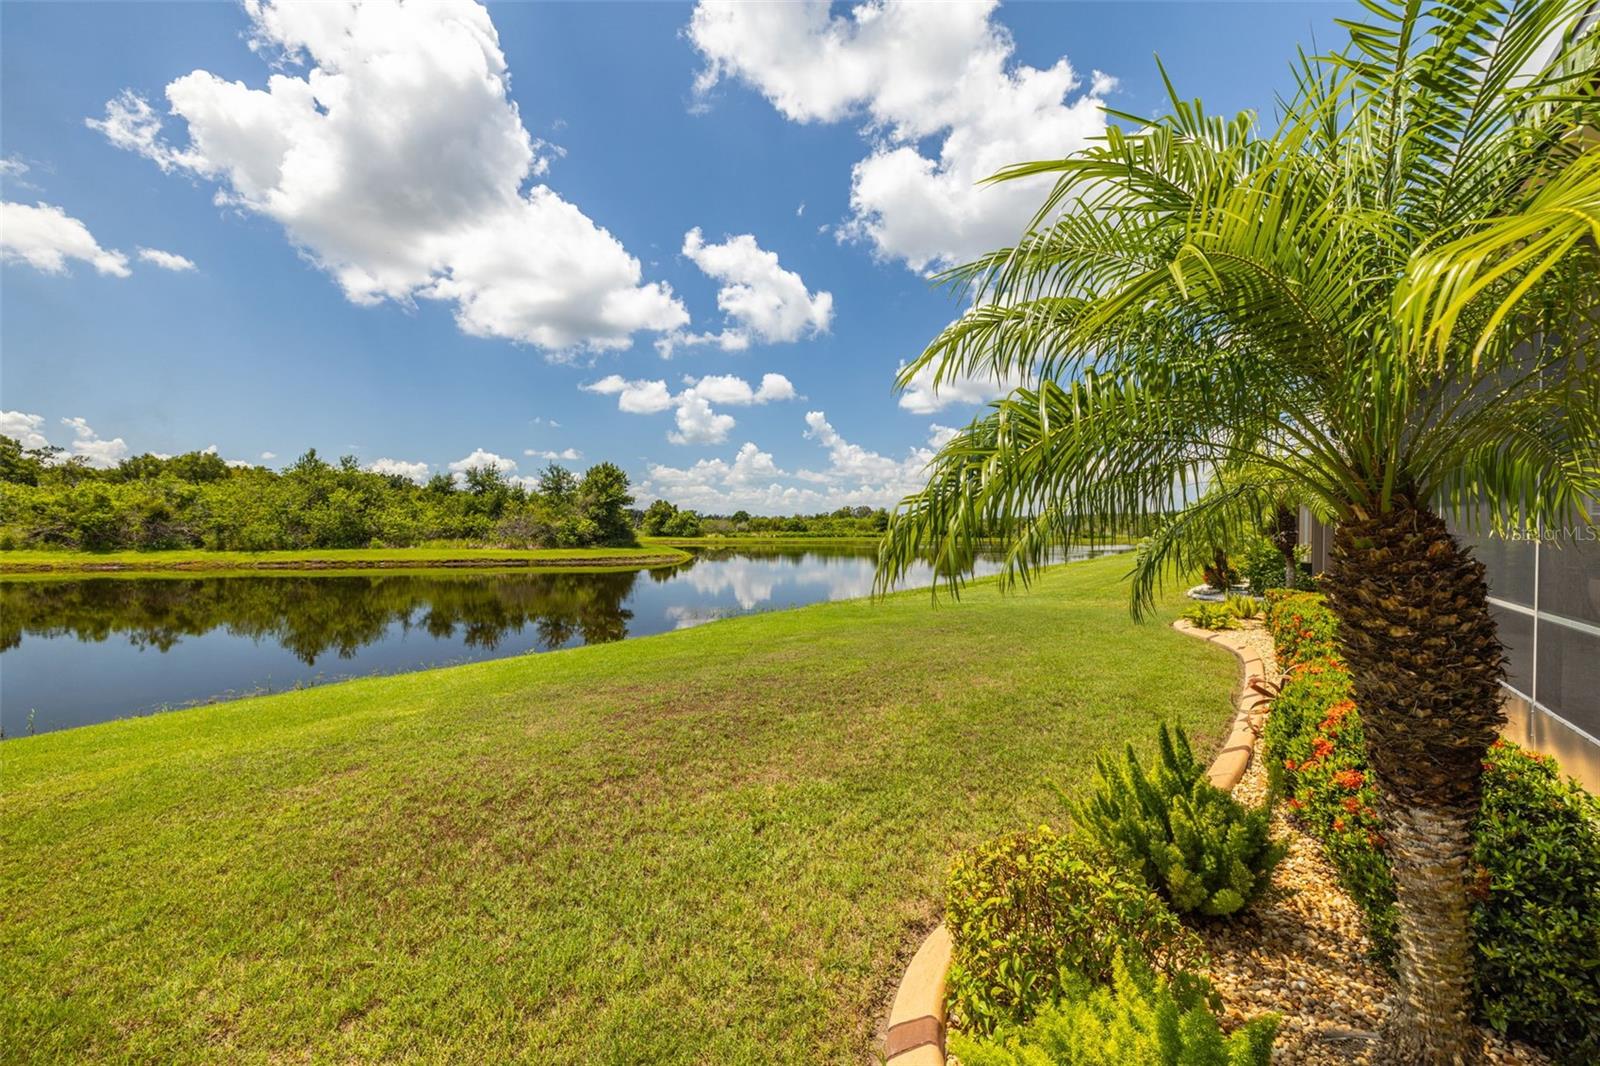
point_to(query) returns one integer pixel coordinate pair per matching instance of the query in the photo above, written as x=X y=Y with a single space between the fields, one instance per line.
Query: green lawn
x=19 y=562
x=712 y=846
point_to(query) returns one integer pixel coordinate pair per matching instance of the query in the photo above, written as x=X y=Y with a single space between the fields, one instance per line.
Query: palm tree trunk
x=1286 y=537
x=1426 y=661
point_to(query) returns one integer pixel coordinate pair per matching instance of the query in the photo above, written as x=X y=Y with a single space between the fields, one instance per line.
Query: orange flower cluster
x=1321 y=748
x=1336 y=715
x=1350 y=779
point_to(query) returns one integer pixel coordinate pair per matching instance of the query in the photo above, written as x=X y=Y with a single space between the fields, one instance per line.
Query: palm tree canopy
x=1389 y=297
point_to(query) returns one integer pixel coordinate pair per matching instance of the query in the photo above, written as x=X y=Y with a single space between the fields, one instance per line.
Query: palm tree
x=1388 y=300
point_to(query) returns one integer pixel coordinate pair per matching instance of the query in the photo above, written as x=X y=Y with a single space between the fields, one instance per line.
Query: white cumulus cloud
x=568 y=455
x=24 y=428
x=634 y=397
x=729 y=389
x=44 y=237
x=166 y=260
x=752 y=480
x=396 y=163
x=914 y=74
x=414 y=471
x=697 y=421
x=479 y=459
x=88 y=444
x=759 y=298
x=922 y=397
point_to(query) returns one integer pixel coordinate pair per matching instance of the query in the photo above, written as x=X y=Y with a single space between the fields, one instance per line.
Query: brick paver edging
x=916 y=1019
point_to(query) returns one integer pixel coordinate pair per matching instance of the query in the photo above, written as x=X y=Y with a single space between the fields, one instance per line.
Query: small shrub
x=1214 y=616
x=1201 y=848
x=1537 y=923
x=1262 y=566
x=1243 y=607
x=1141 y=1018
x=1029 y=912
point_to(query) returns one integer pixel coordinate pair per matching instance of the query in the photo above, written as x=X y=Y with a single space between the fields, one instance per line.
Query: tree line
x=197 y=500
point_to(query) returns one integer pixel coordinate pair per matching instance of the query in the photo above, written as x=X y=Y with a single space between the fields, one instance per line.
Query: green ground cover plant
x=1203 y=850
x=1244 y=608
x=1536 y=846
x=1214 y=616
x=717 y=845
x=1139 y=1018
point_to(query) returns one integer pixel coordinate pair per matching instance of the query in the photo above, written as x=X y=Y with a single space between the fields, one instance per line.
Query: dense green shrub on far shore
x=1140 y=1018
x=1536 y=910
x=1202 y=849
x=1029 y=913
x=197 y=500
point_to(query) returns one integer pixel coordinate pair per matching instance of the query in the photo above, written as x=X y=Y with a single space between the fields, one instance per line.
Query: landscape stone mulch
x=1300 y=951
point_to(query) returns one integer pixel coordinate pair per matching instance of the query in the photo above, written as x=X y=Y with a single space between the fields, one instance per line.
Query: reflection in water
x=87 y=649
x=312 y=616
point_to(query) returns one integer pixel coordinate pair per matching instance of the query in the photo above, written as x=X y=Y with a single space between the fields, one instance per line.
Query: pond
x=88 y=649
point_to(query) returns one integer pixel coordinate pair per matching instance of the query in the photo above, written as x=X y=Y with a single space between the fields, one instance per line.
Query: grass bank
x=35 y=562
x=760 y=540
x=717 y=845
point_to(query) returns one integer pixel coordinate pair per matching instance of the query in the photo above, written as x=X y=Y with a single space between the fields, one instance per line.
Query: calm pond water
x=82 y=650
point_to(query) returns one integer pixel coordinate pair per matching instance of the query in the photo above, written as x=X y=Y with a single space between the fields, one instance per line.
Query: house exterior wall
x=1544 y=593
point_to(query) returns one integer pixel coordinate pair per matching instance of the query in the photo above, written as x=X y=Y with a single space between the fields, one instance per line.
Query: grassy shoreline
x=760 y=540
x=41 y=562
x=715 y=845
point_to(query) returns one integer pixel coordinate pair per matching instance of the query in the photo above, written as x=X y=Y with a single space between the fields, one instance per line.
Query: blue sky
x=454 y=234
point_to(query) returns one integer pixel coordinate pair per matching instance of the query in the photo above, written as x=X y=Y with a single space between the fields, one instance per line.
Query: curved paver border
x=916 y=1018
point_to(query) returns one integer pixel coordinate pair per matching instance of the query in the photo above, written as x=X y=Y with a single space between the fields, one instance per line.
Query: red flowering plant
x=1310 y=690
x=1301 y=626
x=1316 y=758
